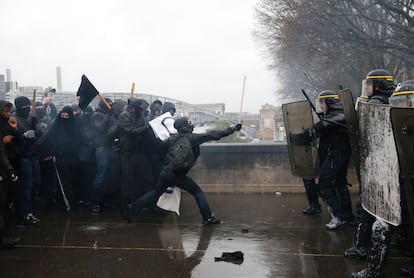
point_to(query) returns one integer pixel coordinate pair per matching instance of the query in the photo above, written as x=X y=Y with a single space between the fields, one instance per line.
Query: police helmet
x=331 y=98
x=403 y=95
x=378 y=82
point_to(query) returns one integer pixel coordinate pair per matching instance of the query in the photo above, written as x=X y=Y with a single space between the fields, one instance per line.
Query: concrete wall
x=249 y=168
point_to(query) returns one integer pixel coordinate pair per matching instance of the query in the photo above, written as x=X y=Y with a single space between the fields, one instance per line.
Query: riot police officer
x=377 y=87
x=334 y=154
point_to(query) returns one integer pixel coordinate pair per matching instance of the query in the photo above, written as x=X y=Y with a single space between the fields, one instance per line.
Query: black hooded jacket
x=63 y=138
x=196 y=140
x=6 y=129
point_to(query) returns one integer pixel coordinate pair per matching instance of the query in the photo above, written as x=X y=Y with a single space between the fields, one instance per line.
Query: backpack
x=180 y=154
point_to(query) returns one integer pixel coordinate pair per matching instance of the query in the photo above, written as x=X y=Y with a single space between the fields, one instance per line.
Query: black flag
x=86 y=92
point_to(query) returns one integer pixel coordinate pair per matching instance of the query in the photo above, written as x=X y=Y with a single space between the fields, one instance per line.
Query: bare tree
x=320 y=44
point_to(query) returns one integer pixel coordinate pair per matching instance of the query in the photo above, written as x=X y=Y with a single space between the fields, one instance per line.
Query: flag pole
x=242 y=99
x=34 y=103
x=132 y=89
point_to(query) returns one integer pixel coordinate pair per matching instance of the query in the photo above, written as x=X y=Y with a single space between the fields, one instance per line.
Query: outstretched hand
x=237 y=127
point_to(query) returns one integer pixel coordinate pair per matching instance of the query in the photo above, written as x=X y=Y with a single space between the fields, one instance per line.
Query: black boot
x=377 y=256
x=362 y=237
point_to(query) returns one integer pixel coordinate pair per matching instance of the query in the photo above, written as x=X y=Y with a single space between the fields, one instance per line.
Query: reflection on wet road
x=276 y=238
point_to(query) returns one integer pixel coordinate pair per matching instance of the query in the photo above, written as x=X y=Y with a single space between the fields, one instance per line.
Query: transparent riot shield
x=301 y=139
x=380 y=187
x=403 y=126
x=352 y=124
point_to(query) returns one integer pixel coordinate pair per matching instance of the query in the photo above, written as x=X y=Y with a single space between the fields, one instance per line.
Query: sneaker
x=356 y=252
x=33 y=218
x=312 y=210
x=27 y=222
x=334 y=223
x=96 y=210
x=212 y=220
x=9 y=242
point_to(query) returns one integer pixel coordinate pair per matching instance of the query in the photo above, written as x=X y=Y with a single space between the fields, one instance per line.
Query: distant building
x=280 y=133
x=267 y=130
x=58 y=80
x=12 y=86
x=8 y=75
x=2 y=87
x=29 y=89
x=217 y=108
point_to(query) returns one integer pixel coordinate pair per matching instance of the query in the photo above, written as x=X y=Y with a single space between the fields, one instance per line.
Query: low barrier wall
x=249 y=168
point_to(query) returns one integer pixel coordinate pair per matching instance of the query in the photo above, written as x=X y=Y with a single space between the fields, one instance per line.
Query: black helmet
x=183 y=125
x=331 y=98
x=403 y=95
x=382 y=82
x=167 y=107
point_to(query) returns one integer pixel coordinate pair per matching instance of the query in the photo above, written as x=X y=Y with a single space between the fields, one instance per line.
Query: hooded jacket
x=196 y=140
x=132 y=125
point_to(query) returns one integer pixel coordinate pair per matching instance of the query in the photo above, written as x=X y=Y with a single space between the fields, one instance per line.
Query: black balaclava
x=40 y=111
x=144 y=106
x=135 y=106
x=155 y=108
x=183 y=126
x=118 y=107
x=67 y=109
x=22 y=106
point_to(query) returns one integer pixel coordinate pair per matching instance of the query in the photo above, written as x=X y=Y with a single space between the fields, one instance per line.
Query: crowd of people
x=88 y=157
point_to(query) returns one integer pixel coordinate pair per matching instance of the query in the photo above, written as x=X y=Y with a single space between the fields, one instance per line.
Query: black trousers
x=333 y=184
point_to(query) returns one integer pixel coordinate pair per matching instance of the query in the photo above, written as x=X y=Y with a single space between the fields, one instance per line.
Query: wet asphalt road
x=276 y=238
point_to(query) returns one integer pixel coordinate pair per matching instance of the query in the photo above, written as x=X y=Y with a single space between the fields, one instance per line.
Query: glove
x=29 y=134
x=237 y=127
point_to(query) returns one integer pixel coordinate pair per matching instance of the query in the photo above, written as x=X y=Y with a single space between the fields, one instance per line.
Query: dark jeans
x=29 y=173
x=102 y=158
x=334 y=185
x=174 y=179
x=311 y=192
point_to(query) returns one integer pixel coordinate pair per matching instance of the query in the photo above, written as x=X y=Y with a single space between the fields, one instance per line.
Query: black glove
x=237 y=127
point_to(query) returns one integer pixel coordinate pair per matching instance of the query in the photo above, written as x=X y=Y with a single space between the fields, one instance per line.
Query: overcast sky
x=192 y=50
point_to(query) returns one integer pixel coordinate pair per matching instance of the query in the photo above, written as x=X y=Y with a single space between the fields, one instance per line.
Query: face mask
x=24 y=111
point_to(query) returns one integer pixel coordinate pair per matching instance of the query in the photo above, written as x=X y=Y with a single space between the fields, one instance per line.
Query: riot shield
x=380 y=187
x=352 y=127
x=403 y=126
x=301 y=139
